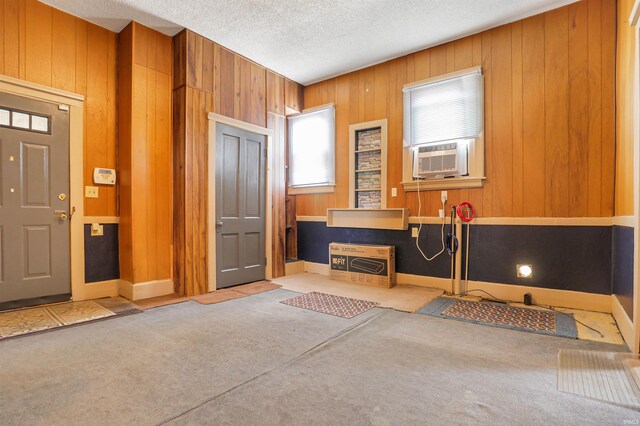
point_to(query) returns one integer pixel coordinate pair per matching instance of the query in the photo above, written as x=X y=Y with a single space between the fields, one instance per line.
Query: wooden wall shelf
x=397 y=219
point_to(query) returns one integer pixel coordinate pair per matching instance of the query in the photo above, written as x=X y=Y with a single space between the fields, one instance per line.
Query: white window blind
x=443 y=110
x=312 y=148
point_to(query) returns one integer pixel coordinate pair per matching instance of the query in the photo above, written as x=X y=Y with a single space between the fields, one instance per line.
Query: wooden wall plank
x=533 y=116
x=38 y=43
x=293 y=95
x=63 y=51
x=625 y=74
x=257 y=92
x=502 y=120
x=608 y=107
x=179 y=59
x=487 y=200
x=111 y=192
x=517 y=196
x=578 y=109
x=557 y=113
x=594 y=91
x=125 y=74
x=11 y=24
x=96 y=111
x=2 y=6
x=275 y=93
x=225 y=93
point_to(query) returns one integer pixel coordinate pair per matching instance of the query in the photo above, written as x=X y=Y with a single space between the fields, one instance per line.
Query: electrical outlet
x=443 y=196
x=414 y=232
x=394 y=192
x=97 y=230
x=91 y=191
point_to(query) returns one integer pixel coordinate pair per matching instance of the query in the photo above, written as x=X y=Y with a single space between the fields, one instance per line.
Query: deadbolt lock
x=62 y=197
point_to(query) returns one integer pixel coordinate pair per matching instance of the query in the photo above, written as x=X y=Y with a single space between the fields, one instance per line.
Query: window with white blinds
x=443 y=110
x=312 y=148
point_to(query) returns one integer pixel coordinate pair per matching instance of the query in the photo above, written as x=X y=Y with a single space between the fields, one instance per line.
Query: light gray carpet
x=256 y=361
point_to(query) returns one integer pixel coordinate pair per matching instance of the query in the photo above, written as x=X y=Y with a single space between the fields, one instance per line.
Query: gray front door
x=240 y=206
x=34 y=202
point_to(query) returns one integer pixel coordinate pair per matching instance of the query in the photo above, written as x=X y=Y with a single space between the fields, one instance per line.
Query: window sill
x=320 y=189
x=450 y=183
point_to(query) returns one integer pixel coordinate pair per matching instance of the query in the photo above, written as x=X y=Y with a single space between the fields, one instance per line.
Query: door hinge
x=265 y=261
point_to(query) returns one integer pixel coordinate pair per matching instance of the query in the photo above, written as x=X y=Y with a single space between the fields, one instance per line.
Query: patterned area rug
x=503 y=316
x=44 y=318
x=339 y=306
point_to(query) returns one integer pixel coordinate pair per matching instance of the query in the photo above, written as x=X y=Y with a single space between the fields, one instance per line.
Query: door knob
x=218 y=225
x=62 y=215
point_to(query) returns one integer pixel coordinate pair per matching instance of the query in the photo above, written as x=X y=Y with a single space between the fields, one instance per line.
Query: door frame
x=634 y=21
x=214 y=120
x=14 y=86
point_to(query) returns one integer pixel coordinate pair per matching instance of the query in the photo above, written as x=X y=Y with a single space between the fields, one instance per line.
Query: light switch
x=97 y=230
x=394 y=192
x=91 y=192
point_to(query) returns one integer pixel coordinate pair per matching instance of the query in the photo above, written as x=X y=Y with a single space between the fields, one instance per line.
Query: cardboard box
x=363 y=264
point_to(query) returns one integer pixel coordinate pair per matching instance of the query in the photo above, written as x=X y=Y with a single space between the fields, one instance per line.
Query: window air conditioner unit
x=440 y=160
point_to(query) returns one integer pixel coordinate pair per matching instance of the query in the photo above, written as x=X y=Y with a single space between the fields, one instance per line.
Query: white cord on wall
x=428 y=259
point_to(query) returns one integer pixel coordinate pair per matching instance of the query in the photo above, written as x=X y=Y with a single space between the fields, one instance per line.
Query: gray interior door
x=34 y=202
x=240 y=206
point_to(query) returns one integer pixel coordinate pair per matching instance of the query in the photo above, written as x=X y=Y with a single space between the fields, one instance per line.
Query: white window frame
x=325 y=188
x=476 y=170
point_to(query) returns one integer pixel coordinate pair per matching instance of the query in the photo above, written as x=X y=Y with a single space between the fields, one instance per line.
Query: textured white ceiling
x=310 y=40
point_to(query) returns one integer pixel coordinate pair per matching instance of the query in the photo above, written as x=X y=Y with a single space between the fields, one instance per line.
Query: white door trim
x=214 y=119
x=633 y=21
x=75 y=103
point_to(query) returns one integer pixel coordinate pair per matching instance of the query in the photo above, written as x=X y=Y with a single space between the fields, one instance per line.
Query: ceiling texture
x=311 y=40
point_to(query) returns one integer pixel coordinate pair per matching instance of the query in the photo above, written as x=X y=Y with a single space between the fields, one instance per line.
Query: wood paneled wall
x=549 y=115
x=625 y=61
x=43 y=45
x=145 y=154
x=210 y=78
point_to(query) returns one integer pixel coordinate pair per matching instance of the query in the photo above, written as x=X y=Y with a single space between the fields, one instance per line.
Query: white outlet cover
x=414 y=232
x=91 y=192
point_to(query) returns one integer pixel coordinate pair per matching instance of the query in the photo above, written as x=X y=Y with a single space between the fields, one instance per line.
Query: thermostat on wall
x=104 y=176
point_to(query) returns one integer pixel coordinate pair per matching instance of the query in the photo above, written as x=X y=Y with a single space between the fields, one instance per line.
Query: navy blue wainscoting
x=101 y=256
x=314 y=239
x=622 y=267
x=574 y=258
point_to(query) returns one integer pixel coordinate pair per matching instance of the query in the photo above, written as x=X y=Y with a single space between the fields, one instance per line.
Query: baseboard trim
x=510 y=292
x=145 y=290
x=625 y=325
x=100 y=289
x=293 y=268
x=316 y=268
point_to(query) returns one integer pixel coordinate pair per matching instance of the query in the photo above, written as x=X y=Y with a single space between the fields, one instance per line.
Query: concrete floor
x=256 y=361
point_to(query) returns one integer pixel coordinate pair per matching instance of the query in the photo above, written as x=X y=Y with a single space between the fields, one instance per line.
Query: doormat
x=338 y=306
x=503 y=316
x=45 y=318
x=606 y=376
x=236 y=292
